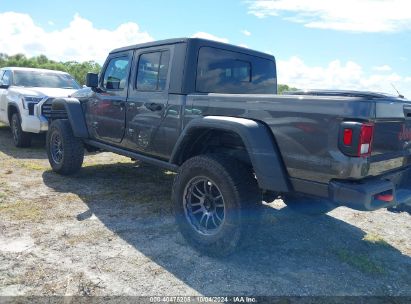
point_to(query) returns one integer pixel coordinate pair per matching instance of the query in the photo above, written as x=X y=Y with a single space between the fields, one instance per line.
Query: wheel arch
x=11 y=109
x=258 y=141
x=75 y=115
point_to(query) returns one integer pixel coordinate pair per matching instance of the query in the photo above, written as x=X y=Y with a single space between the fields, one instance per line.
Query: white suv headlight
x=30 y=99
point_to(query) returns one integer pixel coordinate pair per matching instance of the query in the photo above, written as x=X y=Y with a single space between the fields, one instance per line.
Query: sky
x=334 y=44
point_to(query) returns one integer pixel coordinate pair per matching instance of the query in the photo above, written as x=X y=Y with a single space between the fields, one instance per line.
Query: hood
x=83 y=93
x=50 y=92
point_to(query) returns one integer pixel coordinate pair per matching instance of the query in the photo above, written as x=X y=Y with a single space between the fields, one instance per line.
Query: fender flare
x=258 y=140
x=75 y=115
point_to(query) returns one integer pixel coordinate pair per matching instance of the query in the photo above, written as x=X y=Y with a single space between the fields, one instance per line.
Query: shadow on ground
x=401 y=208
x=290 y=254
x=36 y=151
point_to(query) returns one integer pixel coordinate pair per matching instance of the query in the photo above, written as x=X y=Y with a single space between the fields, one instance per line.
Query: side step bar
x=143 y=158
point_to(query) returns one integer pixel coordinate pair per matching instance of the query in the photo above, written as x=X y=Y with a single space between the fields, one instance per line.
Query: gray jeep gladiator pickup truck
x=209 y=111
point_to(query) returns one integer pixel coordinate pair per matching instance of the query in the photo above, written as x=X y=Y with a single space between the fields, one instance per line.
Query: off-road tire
x=21 y=139
x=72 y=148
x=242 y=200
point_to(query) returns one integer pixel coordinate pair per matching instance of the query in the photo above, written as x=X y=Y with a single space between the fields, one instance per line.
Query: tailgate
x=391 y=148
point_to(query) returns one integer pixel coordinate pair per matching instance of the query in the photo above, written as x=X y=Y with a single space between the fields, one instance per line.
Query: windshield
x=44 y=80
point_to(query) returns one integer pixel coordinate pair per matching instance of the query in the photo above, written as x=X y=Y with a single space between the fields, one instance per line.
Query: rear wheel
x=65 y=152
x=21 y=139
x=216 y=203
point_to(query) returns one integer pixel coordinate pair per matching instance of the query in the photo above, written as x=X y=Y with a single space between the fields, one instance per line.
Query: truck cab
x=141 y=95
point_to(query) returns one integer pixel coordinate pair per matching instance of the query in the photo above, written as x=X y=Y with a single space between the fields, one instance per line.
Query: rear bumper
x=363 y=195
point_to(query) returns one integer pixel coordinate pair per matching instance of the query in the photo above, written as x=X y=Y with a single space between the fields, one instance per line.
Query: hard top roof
x=194 y=40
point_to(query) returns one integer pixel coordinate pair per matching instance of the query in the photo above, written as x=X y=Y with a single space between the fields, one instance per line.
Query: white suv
x=25 y=99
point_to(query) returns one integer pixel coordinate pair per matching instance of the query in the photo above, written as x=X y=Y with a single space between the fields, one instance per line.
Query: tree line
x=78 y=70
x=281 y=88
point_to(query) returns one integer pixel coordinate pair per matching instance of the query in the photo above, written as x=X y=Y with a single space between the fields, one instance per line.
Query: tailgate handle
x=407 y=111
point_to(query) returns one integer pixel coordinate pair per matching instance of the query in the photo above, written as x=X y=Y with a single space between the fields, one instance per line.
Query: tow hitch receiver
x=386 y=196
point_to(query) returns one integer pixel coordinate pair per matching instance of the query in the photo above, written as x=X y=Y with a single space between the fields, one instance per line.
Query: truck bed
x=306 y=130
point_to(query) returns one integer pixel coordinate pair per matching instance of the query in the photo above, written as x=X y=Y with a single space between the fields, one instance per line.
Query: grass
x=70 y=197
x=33 y=166
x=3 y=197
x=21 y=210
x=75 y=240
x=8 y=280
x=375 y=239
x=89 y=161
x=359 y=261
x=92 y=237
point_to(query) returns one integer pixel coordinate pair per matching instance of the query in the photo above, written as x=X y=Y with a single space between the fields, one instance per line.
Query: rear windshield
x=222 y=71
x=44 y=80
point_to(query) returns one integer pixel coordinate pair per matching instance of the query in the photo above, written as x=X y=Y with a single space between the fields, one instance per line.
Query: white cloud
x=382 y=68
x=348 y=15
x=50 y=22
x=338 y=75
x=208 y=36
x=246 y=33
x=244 y=45
x=79 y=41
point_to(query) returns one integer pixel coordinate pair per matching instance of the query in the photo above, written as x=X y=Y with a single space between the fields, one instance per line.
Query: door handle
x=154 y=106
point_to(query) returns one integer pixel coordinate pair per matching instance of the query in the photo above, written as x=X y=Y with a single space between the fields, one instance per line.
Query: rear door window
x=152 y=71
x=222 y=71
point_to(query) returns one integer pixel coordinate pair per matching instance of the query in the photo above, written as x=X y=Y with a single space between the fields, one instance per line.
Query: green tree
x=284 y=88
x=78 y=70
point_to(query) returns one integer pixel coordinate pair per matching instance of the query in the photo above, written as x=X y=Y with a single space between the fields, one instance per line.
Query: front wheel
x=21 y=139
x=216 y=203
x=65 y=152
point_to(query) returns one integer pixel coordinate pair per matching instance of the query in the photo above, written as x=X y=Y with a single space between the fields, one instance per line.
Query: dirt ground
x=109 y=231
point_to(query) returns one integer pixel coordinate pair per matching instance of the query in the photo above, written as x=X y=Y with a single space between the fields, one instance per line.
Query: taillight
x=356 y=138
x=347 y=137
x=364 y=147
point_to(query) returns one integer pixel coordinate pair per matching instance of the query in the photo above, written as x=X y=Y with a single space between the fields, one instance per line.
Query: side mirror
x=92 y=80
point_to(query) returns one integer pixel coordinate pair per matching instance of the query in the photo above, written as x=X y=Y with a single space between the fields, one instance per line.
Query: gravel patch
x=109 y=231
